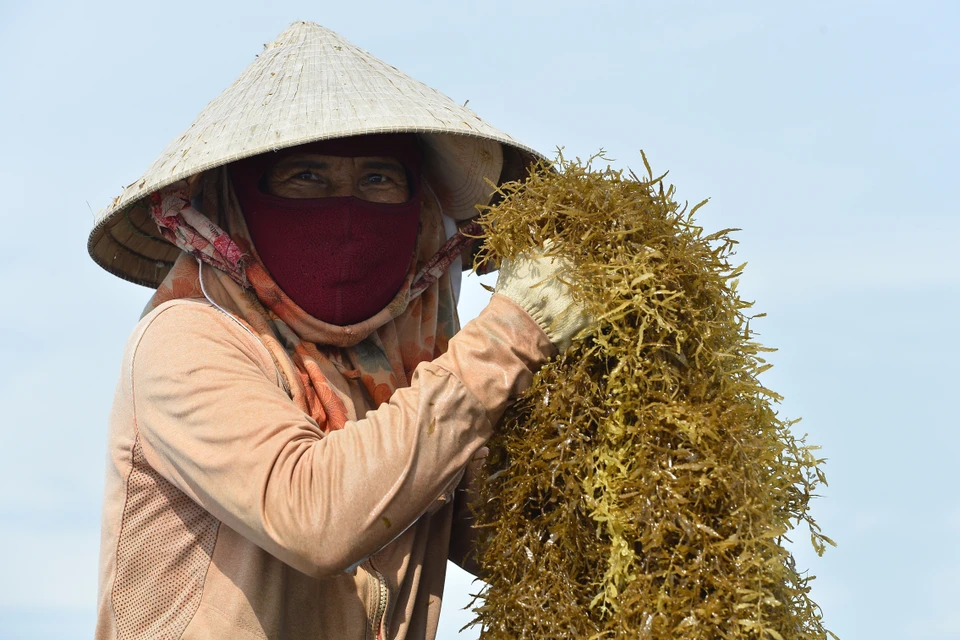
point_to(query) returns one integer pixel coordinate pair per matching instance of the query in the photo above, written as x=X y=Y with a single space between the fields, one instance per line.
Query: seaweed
x=645 y=484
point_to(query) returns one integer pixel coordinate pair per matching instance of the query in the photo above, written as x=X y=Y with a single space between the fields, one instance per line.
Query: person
x=298 y=418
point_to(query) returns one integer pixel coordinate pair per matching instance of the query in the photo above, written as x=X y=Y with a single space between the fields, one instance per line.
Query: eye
x=307 y=175
x=375 y=178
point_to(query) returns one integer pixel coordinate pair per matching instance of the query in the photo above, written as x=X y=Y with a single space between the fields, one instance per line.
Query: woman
x=295 y=416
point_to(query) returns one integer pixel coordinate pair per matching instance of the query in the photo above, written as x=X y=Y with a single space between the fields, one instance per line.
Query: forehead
x=322 y=161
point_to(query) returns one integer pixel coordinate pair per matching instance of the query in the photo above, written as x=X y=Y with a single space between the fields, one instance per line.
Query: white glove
x=532 y=282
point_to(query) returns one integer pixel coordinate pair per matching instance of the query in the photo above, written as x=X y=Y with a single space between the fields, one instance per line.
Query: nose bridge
x=344 y=187
x=346 y=179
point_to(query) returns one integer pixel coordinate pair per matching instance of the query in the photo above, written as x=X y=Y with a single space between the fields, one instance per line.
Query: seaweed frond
x=644 y=484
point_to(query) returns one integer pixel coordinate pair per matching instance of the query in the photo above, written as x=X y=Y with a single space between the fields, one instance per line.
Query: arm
x=213 y=422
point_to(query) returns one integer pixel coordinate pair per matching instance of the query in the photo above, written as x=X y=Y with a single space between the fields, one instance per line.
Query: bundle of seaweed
x=644 y=485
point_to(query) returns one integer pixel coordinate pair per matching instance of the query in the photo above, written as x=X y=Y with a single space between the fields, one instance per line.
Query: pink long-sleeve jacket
x=228 y=514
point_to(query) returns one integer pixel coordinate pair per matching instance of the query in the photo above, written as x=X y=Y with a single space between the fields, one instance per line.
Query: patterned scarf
x=381 y=352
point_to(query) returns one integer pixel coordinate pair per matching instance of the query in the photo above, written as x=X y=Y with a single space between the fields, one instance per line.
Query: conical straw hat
x=309 y=84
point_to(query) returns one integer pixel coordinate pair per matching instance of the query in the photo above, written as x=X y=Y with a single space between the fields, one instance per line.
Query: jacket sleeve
x=213 y=421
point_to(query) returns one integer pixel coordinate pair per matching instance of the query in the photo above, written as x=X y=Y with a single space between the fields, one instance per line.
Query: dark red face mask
x=340 y=259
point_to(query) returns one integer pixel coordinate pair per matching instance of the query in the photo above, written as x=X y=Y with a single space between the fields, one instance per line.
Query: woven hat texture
x=309 y=84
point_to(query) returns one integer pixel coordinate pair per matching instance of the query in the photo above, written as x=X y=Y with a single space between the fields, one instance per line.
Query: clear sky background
x=827 y=131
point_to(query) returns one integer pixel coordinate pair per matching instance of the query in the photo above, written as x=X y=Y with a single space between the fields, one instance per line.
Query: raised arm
x=212 y=420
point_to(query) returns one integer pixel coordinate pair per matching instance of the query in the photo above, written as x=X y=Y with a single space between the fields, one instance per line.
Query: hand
x=536 y=283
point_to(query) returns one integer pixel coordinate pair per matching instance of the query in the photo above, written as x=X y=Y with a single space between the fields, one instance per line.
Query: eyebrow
x=301 y=162
x=306 y=163
x=383 y=166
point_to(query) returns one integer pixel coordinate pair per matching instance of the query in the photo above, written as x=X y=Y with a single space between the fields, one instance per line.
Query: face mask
x=340 y=259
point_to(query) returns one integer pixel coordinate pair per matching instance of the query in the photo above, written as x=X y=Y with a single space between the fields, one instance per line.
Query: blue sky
x=826 y=131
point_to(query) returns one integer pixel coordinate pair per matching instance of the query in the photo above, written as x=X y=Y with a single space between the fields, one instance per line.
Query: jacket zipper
x=381 y=600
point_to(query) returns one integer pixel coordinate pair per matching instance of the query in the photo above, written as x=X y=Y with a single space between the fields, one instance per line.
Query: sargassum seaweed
x=643 y=487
